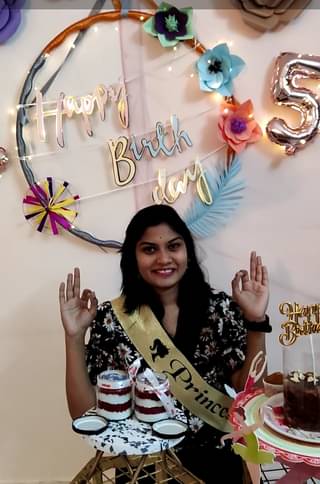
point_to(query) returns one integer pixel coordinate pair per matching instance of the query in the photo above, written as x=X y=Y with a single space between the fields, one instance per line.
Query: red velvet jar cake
x=148 y=406
x=114 y=399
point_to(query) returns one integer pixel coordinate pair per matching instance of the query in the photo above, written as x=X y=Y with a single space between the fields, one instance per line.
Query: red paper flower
x=237 y=126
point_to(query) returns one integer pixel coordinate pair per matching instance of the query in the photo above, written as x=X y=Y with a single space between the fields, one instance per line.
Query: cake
x=114 y=400
x=148 y=406
x=302 y=400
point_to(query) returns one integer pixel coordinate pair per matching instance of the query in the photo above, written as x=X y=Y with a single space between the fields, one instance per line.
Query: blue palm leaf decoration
x=205 y=220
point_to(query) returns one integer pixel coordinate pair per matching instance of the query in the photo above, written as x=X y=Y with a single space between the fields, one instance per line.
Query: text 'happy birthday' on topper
x=302 y=321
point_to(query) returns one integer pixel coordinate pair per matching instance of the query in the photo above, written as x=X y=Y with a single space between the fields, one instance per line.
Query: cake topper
x=302 y=320
x=244 y=440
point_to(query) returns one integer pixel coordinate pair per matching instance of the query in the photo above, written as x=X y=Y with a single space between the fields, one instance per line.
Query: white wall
x=279 y=217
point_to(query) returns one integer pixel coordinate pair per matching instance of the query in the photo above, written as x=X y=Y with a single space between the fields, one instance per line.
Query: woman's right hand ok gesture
x=77 y=312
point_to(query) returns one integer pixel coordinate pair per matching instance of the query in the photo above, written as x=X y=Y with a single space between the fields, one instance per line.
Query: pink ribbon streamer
x=139 y=122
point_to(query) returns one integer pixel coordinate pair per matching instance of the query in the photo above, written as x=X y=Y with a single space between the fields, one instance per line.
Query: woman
x=215 y=335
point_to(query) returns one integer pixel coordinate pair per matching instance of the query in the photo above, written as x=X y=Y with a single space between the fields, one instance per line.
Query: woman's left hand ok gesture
x=252 y=293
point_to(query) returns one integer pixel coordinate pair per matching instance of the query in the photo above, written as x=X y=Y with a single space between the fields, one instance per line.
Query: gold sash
x=154 y=344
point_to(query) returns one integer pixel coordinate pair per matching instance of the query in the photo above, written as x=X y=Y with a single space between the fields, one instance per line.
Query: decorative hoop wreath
x=53 y=207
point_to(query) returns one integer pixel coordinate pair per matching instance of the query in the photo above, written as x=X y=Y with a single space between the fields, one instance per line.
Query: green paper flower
x=170 y=24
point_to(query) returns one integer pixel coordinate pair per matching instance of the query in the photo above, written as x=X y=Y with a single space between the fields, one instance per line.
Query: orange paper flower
x=237 y=126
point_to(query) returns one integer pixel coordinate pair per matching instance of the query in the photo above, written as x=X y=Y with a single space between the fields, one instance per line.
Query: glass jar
x=114 y=395
x=301 y=371
x=148 y=406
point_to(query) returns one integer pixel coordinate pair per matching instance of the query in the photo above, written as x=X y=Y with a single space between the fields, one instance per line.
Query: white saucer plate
x=90 y=424
x=170 y=428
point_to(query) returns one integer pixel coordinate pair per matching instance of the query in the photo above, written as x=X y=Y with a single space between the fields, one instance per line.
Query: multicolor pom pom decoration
x=49 y=204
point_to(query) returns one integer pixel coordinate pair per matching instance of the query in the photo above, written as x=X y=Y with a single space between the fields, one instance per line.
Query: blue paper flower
x=216 y=69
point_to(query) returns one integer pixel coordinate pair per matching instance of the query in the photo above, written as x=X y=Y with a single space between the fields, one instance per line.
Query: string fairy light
x=93 y=146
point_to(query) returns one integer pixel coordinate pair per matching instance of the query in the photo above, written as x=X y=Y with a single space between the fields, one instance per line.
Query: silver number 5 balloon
x=289 y=69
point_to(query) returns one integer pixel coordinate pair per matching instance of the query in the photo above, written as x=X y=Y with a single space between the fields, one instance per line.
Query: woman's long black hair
x=194 y=291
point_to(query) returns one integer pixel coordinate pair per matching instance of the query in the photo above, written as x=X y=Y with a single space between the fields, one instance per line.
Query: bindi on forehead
x=159 y=234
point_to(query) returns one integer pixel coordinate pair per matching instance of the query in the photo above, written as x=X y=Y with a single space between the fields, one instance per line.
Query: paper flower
x=10 y=18
x=216 y=69
x=170 y=24
x=3 y=160
x=237 y=126
x=265 y=15
x=47 y=207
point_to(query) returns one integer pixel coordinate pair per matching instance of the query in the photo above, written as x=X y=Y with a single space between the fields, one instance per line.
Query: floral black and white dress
x=218 y=351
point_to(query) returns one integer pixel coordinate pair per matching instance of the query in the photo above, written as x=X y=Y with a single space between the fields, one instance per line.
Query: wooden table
x=130 y=447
